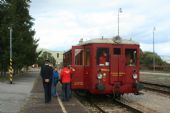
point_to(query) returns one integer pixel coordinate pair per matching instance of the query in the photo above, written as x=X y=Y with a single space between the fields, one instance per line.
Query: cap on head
x=47 y=61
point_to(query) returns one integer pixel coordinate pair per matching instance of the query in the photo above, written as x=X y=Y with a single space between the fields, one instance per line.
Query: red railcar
x=116 y=73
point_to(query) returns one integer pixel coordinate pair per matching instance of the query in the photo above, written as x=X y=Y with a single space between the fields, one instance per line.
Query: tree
x=46 y=55
x=0 y=44
x=147 y=59
x=15 y=14
x=4 y=20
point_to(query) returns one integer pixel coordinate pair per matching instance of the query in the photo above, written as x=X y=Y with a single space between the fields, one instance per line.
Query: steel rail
x=100 y=109
x=157 y=87
x=127 y=106
x=88 y=99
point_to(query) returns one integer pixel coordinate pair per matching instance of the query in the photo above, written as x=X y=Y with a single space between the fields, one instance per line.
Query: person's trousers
x=53 y=90
x=66 y=91
x=47 y=91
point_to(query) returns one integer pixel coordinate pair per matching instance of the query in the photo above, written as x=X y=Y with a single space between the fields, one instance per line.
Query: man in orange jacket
x=65 y=78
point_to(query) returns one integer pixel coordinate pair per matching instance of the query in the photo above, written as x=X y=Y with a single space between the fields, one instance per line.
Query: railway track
x=101 y=110
x=134 y=110
x=107 y=105
x=157 y=87
x=116 y=102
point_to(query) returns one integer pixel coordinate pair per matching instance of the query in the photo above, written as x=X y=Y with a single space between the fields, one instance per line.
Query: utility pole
x=154 y=48
x=119 y=11
x=10 y=66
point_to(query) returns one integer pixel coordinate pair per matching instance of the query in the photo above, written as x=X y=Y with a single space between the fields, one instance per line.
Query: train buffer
x=35 y=103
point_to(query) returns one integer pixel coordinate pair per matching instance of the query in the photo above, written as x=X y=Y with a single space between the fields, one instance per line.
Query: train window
x=78 y=56
x=87 y=57
x=102 y=56
x=130 y=55
x=116 y=51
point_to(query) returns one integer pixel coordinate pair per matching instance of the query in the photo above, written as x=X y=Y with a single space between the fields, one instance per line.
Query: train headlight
x=135 y=76
x=104 y=74
x=99 y=76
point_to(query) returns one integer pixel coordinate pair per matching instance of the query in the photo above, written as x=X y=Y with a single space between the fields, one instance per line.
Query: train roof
x=115 y=40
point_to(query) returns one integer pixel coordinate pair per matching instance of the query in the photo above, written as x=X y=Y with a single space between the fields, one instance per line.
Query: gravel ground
x=157 y=78
x=104 y=102
x=151 y=102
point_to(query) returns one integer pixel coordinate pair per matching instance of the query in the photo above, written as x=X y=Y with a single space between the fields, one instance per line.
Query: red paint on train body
x=119 y=74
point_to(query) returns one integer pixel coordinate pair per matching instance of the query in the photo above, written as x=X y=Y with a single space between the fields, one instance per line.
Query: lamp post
x=10 y=67
x=119 y=11
x=154 y=48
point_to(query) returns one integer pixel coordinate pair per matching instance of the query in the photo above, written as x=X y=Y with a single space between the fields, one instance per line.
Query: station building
x=58 y=55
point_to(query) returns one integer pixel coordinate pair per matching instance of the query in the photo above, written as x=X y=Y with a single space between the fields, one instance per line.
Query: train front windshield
x=131 y=56
x=102 y=56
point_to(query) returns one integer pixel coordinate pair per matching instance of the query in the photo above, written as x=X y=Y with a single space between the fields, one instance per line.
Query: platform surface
x=35 y=103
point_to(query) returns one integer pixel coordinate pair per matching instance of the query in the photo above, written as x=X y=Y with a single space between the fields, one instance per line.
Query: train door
x=78 y=65
x=131 y=63
x=87 y=66
x=117 y=65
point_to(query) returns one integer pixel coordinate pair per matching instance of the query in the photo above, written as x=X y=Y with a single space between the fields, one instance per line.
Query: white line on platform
x=61 y=104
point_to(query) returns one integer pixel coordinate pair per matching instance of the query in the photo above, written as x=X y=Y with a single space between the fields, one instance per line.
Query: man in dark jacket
x=46 y=74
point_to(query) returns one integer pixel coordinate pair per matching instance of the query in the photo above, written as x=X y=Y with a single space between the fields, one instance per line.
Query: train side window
x=87 y=57
x=102 y=55
x=130 y=56
x=116 y=51
x=78 y=56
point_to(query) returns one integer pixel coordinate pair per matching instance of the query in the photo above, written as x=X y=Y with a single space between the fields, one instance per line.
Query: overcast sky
x=59 y=24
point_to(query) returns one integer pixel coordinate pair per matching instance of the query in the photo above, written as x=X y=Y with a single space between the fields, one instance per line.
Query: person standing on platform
x=65 y=78
x=46 y=74
x=55 y=79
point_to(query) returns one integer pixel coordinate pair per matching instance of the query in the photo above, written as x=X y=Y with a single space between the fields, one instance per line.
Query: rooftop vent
x=117 y=39
x=81 y=41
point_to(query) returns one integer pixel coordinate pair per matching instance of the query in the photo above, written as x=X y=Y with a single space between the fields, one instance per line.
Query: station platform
x=35 y=103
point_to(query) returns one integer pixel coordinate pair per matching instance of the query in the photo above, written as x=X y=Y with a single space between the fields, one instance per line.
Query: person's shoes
x=46 y=102
x=49 y=101
x=63 y=100
x=67 y=99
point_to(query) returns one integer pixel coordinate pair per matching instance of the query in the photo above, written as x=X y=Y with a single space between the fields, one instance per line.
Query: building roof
x=115 y=40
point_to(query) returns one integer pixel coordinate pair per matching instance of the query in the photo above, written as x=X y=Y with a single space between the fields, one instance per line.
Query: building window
x=57 y=55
